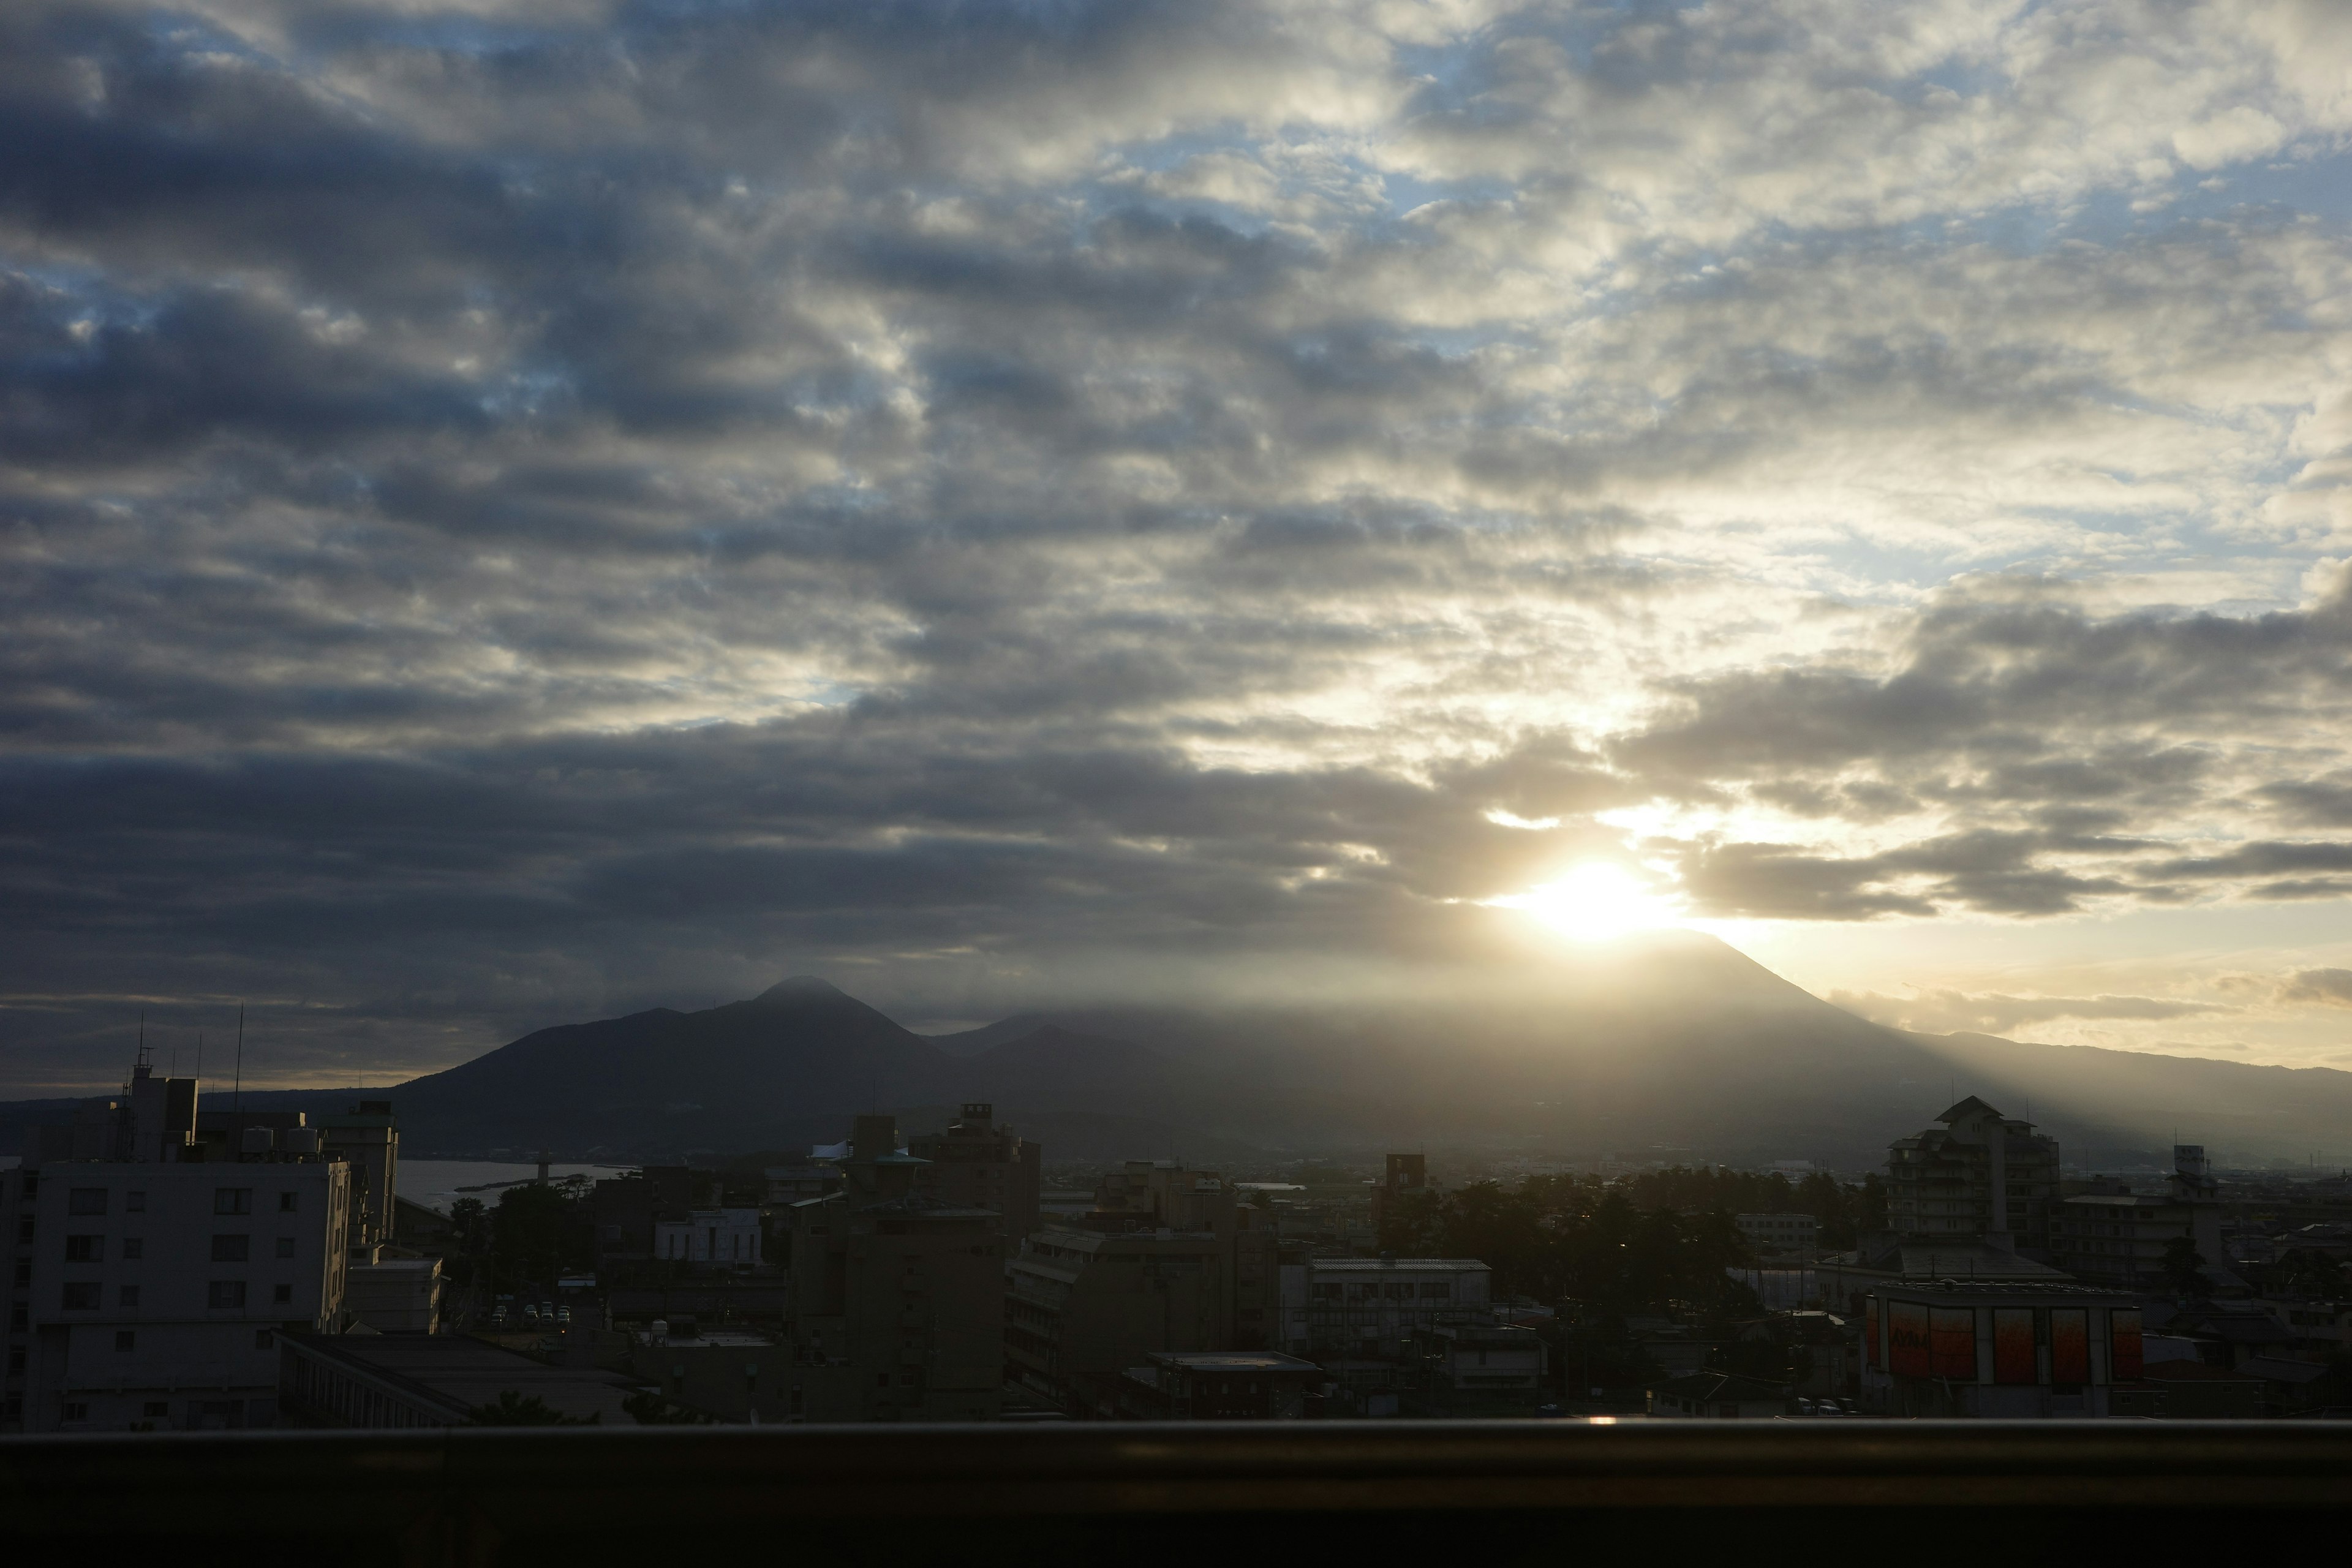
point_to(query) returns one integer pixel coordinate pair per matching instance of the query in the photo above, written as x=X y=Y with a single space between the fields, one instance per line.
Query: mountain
x=1679 y=1047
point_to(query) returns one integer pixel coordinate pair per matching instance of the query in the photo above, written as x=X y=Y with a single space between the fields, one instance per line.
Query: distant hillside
x=1677 y=1049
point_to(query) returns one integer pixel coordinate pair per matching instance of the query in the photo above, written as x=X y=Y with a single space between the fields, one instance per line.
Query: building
x=393 y=1295
x=1217 y=1385
x=976 y=1163
x=1402 y=1178
x=732 y=1375
x=1781 y=1232
x=711 y=1238
x=383 y=1380
x=898 y=1299
x=1717 y=1396
x=1983 y=1175
x=1475 y=1369
x=1369 y=1308
x=2017 y=1350
x=624 y=1210
x=367 y=1138
x=152 y=1284
x=1166 y=1261
x=2102 y=1231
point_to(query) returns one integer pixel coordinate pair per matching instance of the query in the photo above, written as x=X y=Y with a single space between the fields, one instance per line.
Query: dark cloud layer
x=515 y=508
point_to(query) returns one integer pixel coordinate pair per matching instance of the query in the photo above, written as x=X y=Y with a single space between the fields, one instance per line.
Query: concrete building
x=1981 y=1175
x=387 y=1382
x=1217 y=1385
x=718 y=1238
x=898 y=1299
x=150 y=1286
x=367 y=1138
x=1403 y=1177
x=1470 y=1369
x=1166 y=1261
x=2101 y=1230
x=976 y=1163
x=1369 y=1308
x=2001 y=1350
x=623 y=1211
x=733 y=1375
x=1781 y=1235
x=393 y=1295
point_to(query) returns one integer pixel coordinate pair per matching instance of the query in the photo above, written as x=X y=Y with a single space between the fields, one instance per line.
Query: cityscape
x=183 y=1268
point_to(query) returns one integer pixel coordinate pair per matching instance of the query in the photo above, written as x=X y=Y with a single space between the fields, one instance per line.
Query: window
x=231 y=1248
x=81 y=1296
x=232 y=1200
x=130 y=1295
x=282 y=1295
x=86 y=1200
x=23 y=1230
x=285 y=1247
x=24 y=1273
x=134 y=1203
x=18 y=1318
x=133 y=1249
x=156 y=1409
x=76 y=1411
x=126 y=1339
x=17 y=1363
x=85 y=1248
x=227 y=1293
x=263 y=1339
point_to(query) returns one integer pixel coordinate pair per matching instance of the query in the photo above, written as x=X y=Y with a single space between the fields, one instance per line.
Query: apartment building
x=1981 y=1175
x=1166 y=1261
x=1369 y=1307
x=1781 y=1234
x=898 y=1299
x=978 y=1164
x=150 y=1286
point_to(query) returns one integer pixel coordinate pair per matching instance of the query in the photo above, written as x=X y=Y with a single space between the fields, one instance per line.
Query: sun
x=1596 y=901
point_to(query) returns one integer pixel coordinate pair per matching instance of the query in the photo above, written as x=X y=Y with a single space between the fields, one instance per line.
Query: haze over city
x=517 y=513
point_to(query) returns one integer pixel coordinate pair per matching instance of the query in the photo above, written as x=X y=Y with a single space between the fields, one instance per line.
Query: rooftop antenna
x=236 y=1090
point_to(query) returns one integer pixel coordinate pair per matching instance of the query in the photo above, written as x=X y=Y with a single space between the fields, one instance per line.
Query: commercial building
x=1469 y=1369
x=976 y=1163
x=393 y=1295
x=151 y=1284
x=1781 y=1234
x=898 y=1299
x=1217 y=1385
x=2001 y=1350
x=1981 y=1175
x=1166 y=1261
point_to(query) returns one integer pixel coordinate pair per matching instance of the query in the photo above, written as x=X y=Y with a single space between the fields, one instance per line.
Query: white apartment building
x=150 y=1293
x=1799 y=1232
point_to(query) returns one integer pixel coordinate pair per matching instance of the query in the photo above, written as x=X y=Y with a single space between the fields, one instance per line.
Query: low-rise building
x=2003 y=1350
x=1370 y=1306
x=385 y=1381
x=711 y=1238
x=2103 y=1232
x=393 y=1295
x=1781 y=1234
x=1476 y=1369
x=1217 y=1385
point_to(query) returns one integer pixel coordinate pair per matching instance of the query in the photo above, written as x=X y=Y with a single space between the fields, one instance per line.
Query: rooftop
x=1375 y=1265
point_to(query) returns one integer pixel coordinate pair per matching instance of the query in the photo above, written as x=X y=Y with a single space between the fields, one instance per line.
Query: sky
x=515 y=511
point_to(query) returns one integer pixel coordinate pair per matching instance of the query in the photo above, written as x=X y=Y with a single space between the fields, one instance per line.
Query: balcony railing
x=1160 y=1494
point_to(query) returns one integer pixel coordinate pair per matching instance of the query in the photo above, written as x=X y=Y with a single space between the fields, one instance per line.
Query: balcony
x=1146 y=1495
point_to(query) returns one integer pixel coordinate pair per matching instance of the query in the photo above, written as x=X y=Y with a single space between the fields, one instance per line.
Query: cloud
x=2318 y=988
x=1950 y=1011
x=574 y=502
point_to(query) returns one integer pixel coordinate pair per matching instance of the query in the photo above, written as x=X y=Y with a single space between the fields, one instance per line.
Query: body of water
x=438 y=1183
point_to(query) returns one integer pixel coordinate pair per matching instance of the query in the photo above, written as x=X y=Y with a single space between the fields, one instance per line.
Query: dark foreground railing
x=1358 y=1494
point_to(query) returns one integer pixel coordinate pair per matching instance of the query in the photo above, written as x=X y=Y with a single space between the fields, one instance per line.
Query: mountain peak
x=801 y=988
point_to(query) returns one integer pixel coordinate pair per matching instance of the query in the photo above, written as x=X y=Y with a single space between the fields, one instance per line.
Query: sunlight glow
x=1595 y=901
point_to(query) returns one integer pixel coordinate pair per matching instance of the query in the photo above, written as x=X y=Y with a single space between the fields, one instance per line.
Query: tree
x=2184 y=1267
x=533 y=1234
x=512 y=1408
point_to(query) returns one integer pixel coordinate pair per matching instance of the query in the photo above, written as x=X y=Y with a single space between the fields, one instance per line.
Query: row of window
x=235 y=1248
x=226 y=1200
x=1437 y=1290
x=84 y=1295
x=128 y=1340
